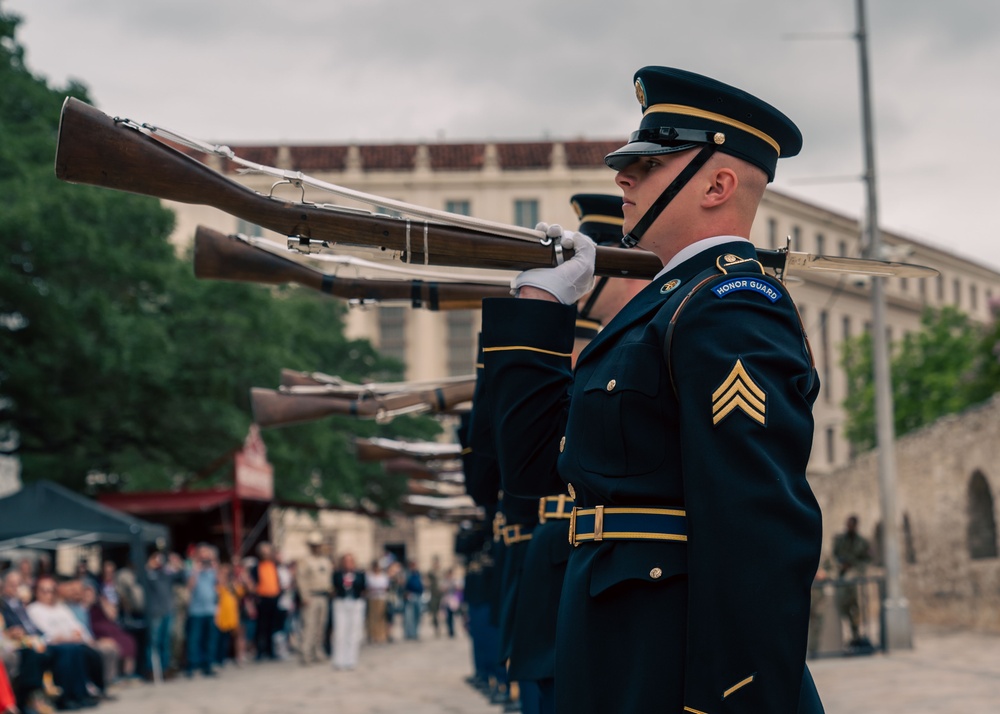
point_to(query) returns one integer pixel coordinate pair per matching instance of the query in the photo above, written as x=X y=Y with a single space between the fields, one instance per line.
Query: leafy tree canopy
x=949 y=364
x=116 y=362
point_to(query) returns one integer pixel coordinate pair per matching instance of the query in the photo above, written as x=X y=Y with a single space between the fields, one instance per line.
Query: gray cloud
x=390 y=70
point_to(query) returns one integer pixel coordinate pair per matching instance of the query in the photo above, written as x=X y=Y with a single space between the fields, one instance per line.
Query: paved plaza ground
x=953 y=672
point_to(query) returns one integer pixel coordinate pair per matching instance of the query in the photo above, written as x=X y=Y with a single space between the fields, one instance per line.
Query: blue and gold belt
x=516 y=533
x=593 y=525
x=553 y=508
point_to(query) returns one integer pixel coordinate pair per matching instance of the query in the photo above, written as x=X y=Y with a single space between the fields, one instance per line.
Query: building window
x=392 y=332
x=843 y=249
x=526 y=212
x=831 y=451
x=459 y=207
x=982 y=531
x=248 y=229
x=956 y=289
x=940 y=287
x=461 y=343
x=772 y=233
x=796 y=238
x=820 y=244
x=824 y=341
x=904 y=284
x=973 y=297
x=923 y=290
x=846 y=327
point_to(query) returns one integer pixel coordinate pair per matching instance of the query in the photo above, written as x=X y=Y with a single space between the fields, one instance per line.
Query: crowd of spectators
x=69 y=642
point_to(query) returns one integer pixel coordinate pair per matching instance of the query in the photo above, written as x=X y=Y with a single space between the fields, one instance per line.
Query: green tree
x=116 y=361
x=946 y=366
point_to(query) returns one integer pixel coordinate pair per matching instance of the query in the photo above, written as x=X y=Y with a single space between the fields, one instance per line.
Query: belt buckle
x=572 y=526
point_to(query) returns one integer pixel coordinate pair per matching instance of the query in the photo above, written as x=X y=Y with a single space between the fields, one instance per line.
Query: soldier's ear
x=720 y=187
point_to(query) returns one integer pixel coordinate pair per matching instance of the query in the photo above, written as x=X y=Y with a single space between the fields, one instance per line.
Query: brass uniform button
x=611 y=385
x=655 y=573
x=572 y=491
x=562 y=444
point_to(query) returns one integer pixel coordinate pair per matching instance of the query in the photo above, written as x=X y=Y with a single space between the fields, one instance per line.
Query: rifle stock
x=294 y=378
x=273 y=408
x=97 y=150
x=218 y=256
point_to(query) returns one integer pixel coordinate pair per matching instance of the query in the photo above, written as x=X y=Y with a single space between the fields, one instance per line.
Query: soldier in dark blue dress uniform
x=539 y=585
x=683 y=433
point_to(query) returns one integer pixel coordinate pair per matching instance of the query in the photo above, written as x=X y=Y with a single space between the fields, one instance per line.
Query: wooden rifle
x=99 y=150
x=319 y=384
x=218 y=256
x=273 y=408
x=376 y=449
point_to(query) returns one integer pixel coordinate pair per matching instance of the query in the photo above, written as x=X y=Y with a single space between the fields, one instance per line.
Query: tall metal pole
x=898 y=633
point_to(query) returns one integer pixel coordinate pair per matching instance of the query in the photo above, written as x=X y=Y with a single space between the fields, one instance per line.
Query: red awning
x=167 y=501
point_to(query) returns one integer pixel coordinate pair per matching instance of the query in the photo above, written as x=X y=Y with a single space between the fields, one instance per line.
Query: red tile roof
x=456 y=157
x=388 y=157
x=533 y=155
x=588 y=154
x=527 y=155
x=318 y=158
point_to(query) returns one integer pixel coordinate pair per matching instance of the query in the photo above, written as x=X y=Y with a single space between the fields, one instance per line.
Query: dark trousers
x=73 y=665
x=31 y=666
x=201 y=634
x=267 y=624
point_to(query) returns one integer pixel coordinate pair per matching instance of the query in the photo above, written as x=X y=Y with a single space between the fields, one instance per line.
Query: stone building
x=523 y=182
x=947 y=477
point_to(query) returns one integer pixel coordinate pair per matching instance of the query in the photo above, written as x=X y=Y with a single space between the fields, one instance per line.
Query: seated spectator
x=62 y=630
x=67 y=662
x=104 y=628
x=71 y=592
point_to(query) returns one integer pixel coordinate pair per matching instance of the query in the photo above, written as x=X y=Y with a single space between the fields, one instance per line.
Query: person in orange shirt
x=227 y=613
x=267 y=588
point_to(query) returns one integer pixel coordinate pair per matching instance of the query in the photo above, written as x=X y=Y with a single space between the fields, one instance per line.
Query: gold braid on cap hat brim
x=712 y=116
x=597 y=218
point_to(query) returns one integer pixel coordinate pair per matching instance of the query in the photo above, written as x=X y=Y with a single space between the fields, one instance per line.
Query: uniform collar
x=659 y=290
x=692 y=250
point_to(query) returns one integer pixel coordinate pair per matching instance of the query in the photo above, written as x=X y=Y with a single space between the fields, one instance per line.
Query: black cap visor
x=653 y=142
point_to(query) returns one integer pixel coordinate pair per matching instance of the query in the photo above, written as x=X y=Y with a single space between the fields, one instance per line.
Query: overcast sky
x=334 y=71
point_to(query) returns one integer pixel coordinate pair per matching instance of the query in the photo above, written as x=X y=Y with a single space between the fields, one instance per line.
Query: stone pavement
x=947 y=672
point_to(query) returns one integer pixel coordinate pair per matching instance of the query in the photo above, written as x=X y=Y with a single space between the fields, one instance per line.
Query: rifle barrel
x=218 y=256
x=95 y=149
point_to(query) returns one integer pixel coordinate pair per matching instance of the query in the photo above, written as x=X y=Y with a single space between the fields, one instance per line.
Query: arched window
x=982 y=535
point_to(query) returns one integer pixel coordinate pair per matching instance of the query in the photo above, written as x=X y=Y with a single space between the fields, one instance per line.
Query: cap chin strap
x=632 y=238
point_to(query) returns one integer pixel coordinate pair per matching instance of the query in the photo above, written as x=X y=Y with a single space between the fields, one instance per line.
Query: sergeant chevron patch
x=738 y=391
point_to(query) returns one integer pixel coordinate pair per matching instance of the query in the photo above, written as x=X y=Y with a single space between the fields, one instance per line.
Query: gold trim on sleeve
x=738 y=685
x=529 y=349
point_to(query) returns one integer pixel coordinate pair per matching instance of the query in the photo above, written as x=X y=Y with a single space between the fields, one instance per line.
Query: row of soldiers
x=515 y=564
x=651 y=539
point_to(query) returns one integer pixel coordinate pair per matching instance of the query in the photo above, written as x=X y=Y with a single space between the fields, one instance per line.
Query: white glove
x=574 y=278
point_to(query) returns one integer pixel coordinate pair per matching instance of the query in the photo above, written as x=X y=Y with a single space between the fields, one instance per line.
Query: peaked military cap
x=682 y=110
x=600 y=217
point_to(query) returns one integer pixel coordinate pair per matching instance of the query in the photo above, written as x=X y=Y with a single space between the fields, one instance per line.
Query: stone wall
x=948 y=474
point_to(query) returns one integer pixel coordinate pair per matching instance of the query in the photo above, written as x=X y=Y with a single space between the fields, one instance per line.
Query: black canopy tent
x=46 y=516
